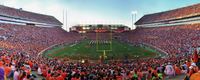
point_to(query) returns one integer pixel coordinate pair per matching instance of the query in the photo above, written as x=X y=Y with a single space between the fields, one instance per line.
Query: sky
x=97 y=11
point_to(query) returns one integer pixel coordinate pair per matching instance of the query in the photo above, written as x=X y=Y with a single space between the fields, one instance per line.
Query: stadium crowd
x=19 y=57
x=26 y=15
x=32 y=39
x=20 y=66
x=20 y=45
x=184 y=12
x=100 y=36
x=175 y=40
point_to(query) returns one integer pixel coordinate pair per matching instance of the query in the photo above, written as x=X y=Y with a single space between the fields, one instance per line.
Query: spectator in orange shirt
x=7 y=70
x=177 y=69
x=60 y=77
x=196 y=76
x=64 y=74
x=52 y=77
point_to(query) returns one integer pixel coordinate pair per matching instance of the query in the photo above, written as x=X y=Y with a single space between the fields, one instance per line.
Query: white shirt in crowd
x=39 y=71
x=16 y=75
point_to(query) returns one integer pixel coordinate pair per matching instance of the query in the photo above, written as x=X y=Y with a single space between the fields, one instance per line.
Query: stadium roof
x=29 y=16
x=184 y=12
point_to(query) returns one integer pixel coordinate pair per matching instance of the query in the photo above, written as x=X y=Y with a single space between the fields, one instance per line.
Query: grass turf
x=84 y=50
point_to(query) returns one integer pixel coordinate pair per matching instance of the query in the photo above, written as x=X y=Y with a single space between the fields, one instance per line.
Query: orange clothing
x=195 y=76
x=177 y=70
x=30 y=63
x=64 y=74
x=48 y=76
x=60 y=78
x=52 y=78
x=119 y=77
x=7 y=70
x=155 y=72
x=195 y=56
x=188 y=64
x=44 y=72
x=1 y=63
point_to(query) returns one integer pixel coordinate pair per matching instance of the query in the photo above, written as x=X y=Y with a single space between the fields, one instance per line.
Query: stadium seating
x=54 y=69
x=99 y=36
x=23 y=42
x=189 y=11
x=20 y=44
x=32 y=39
x=172 y=39
x=25 y=15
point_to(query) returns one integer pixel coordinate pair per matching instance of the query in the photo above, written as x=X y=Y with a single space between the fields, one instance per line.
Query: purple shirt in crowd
x=1 y=74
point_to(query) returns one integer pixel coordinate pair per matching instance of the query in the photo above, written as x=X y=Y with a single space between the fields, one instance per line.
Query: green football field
x=114 y=50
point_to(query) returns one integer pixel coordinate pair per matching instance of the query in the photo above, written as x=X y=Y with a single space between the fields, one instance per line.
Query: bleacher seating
x=25 y=15
x=183 y=12
x=99 y=36
x=172 y=39
x=32 y=39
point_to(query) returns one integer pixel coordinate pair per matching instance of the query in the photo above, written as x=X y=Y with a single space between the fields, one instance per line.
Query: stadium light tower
x=66 y=20
x=65 y=24
x=133 y=13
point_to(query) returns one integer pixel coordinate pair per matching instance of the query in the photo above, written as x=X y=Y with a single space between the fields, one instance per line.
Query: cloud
x=55 y=8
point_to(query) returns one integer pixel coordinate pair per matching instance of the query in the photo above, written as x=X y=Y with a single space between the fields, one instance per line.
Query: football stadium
x=158 y=45
x=99 y=41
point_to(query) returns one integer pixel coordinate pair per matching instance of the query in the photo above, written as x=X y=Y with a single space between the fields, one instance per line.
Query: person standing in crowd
x=1 y=71
x=169 y=70
x=196 y=76
x=16 y=74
